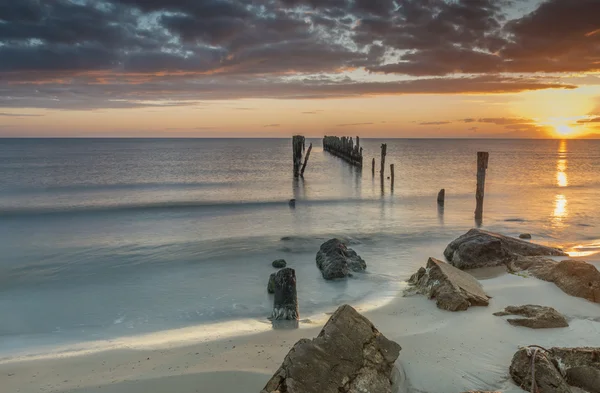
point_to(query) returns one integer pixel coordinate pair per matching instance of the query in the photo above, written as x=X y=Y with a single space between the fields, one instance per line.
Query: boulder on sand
x=335 y=260
x=525 y=236
x=577 y=278
x=453 y=289
x=557 y=369
x=349 y=356
x=538 y=317
x=478 y=248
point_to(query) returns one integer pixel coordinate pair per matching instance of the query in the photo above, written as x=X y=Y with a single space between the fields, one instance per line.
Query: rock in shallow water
x=335 y=260
x=453 y=289
x=525 y=236
x=349 y=356
x=279 y=264
x=271 y=284
x=478 y=248
x=285 y=303
x=538 y=317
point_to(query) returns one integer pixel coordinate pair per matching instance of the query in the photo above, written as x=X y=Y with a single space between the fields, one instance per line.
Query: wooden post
x=297 y=148
x=482 y=165
x=441 y=197
x=344 y=148
x=373 y=166
x=392 y=174
x=285 y=303
x=383 y=153
x=306 y=160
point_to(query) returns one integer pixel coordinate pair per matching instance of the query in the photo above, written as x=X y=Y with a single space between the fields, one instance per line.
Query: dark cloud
x=434 y=123
x=354 y=124
x=503 y=121
x=5 y=114
x=595 y=119
x=129 y=53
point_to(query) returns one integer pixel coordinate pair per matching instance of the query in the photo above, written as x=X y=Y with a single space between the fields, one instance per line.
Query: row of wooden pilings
x=346 y=149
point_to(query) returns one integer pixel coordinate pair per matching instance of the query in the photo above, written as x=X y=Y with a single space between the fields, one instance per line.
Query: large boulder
x=577 y=278
x=336 y=260
x=349 y=356
x=479 y=248
x=556 y=370
x=537 y=317
x=453 y=289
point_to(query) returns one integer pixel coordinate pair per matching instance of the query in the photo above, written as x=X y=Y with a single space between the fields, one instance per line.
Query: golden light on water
x=562 y=180
x=560 y=209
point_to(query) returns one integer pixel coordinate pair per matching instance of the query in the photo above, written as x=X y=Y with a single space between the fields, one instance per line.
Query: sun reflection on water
x=562 y=180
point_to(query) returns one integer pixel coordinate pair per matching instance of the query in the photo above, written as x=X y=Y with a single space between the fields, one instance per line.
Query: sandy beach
x=441 y=351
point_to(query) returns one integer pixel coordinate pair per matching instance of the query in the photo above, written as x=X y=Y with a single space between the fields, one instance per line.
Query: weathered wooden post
x=297 y=148
x=306 y=160
x=441 y=197
x=482 y=165
x=392 y=174
x=383 y=153
x=373 y=166
x=285 y=303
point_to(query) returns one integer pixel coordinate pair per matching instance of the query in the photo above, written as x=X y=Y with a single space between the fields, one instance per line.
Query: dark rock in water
x=335 y=260
x=271 y=284
x=538 y=317
x=453 y=289
x=285 y=303
x=577 y=278
x=441 y=196
x=279 y=264
x=478 y=248
x=525 y=236
x=292 y=203
x=557 y=369
x=349 y=356
x=286 y=238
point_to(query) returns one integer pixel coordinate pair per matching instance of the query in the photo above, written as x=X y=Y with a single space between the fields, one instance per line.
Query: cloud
x=593 y=119
x=354 y=124
x=312 y=112
x=271 y=125
x=65 y=54
x=434 y=123
x=5 y=114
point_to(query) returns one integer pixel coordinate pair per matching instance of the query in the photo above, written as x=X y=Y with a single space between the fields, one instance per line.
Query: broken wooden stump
x=392 y=174
x=344 y=148
x=285 y=303
x=441 y=197
x=482 y=165
x=306 y=160
x=373 y=167
x=297 y=150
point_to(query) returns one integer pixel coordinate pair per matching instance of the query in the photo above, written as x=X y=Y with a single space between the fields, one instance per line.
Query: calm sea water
x=109 y=238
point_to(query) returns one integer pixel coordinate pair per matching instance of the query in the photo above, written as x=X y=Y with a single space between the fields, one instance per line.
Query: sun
x=564 y=130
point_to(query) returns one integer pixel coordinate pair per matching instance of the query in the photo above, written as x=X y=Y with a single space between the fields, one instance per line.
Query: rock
x=576 y=278
x=538 y=317
x=479 y=248
x=285 y=303
x=557 y=369
x=524 y=236
x=335 y=260
x=279 y=264
x=349 y=356
x=453 y=289
x=271 y=284
x=292 y=203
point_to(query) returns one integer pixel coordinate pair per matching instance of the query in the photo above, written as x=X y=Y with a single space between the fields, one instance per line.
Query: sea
x=103 y=240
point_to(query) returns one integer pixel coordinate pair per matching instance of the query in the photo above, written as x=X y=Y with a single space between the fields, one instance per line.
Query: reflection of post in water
x=299 y=188
x=440 y=210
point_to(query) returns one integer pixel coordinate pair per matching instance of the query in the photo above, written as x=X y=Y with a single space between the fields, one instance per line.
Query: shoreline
x=467 y=350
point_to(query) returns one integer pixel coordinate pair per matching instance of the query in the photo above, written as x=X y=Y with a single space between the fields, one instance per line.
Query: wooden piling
x=392 y=174
x=441 y=197
x=383 y=153
x=373 y=166
x=297 y=149
x=306 y=160
x=285 y=303
x=482 y=165
x=344 y=148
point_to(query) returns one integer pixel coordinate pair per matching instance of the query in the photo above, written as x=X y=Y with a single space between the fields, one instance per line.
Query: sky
x=274 y=68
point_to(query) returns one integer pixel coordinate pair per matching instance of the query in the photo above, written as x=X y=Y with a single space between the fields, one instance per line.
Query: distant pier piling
x=383 y=154
x=441 y=197
x=344 y=148
x=482 y=165
x=392 y=174
x=373 y=166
